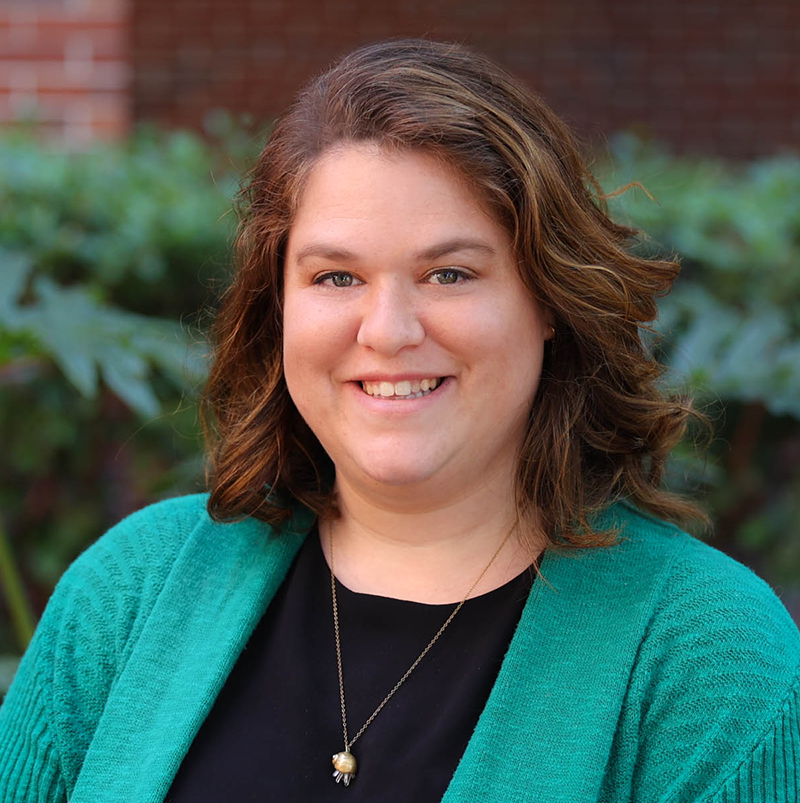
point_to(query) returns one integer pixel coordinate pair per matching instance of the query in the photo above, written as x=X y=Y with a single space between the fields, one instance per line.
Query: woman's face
x=411 y=347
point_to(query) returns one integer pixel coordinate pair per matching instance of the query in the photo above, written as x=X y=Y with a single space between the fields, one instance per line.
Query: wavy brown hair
x=600 y=429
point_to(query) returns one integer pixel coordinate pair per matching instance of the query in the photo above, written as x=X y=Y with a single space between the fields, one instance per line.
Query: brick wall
x=709 y=76
x=65 y=64
x=713 y=76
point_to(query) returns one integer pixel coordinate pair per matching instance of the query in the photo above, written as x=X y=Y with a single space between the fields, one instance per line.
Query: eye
x=337 y=279
x=448 y=276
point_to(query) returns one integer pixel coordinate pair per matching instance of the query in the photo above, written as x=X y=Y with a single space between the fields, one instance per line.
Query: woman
x=438 y=445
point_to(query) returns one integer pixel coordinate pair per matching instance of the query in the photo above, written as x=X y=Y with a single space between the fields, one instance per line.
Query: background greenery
x=109 y=257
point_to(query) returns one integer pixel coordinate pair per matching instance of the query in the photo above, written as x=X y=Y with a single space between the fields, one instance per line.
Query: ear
x=550 y=324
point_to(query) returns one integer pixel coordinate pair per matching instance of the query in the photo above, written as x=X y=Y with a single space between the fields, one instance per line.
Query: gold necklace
x=344 y=762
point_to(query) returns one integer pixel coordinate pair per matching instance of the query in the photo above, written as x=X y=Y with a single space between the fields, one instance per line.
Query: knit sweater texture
x=654 y=670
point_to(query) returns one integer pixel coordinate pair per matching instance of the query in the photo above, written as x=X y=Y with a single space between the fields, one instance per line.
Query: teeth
x=404 y=389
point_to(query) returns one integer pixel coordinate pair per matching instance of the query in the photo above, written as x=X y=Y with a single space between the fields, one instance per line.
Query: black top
x=277 y=721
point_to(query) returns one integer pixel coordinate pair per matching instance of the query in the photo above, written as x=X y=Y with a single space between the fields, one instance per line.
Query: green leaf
x=125 y=372
x=15 y=268
x=63 y=324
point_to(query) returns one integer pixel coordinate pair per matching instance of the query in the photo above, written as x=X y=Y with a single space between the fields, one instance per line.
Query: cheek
x=506 y=342
x=501 y=331
x=314 y=337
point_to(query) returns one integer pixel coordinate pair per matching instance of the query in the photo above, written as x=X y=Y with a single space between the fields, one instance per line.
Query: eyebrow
x=336 y=254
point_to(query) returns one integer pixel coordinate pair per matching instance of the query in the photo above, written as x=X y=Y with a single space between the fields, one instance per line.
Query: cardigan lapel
x=544 y=735
x=546 y=732
x=195 y=632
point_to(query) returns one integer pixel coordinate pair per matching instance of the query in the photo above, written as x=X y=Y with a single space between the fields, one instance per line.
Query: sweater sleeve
x=771 y=772
x=91 y=623
x=30 y=764
x=715 y=690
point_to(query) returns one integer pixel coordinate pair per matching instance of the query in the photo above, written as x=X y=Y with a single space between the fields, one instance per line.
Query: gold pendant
x=344 y=767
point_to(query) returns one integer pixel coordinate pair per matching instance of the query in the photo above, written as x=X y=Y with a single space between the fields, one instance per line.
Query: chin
x=387 y=470
x=389 y=460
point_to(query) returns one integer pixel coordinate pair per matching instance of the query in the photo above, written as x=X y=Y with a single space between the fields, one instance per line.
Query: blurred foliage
x=730 y=330
x=107 y=257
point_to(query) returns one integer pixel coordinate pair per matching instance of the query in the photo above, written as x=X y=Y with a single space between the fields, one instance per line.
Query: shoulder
x=128 y=562
x=152 y=536
x=687 y=588
x=111 y=588
x=717 y=675
x=102 y=601
x=123 y=573
x=702 y=596
x=100 y=610
x=87 y=631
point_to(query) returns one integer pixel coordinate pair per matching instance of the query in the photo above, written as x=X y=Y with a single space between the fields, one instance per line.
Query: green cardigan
x=654 y=670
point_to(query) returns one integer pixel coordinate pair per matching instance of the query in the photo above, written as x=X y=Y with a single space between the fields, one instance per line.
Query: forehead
x=363 y=191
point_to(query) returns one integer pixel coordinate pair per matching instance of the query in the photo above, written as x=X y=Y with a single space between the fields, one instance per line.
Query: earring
x=551 y=333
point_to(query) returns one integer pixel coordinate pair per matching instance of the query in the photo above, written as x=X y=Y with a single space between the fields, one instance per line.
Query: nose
x=390 y=321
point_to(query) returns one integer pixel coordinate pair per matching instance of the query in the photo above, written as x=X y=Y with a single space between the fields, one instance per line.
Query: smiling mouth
x=406 y=389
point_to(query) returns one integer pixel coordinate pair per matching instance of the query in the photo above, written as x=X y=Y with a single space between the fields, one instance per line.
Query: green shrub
x=106 y=258
x=731 y=330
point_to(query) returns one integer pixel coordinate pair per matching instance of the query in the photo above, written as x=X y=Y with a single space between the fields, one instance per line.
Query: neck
x=427 y=553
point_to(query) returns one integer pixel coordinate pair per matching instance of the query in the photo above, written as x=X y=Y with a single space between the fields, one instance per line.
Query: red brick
x=688 y=71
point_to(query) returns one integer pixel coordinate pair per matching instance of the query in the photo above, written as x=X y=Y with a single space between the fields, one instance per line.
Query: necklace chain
x=347 y=742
